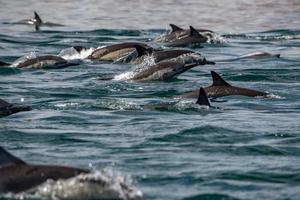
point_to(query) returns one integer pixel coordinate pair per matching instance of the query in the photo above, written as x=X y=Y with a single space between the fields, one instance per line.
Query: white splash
x=273 y=96
x=97 y=185
x=72 y=54
x=22 y=59
x=117 y=104
x=214 y=38
x=148 y=61
x=65 y=105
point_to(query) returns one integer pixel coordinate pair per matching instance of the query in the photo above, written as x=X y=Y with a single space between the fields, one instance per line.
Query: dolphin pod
x=8 y=108
x=220 y=88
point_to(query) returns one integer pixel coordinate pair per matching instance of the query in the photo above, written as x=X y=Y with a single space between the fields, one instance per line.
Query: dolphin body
x=180 y=37
x=19 y=176
x=116 y=52
x=157 y=55
x=165 y=70
x=37 y=22
x=220 y=88
x=254 y=55
x=44 y=62
x=8 y=108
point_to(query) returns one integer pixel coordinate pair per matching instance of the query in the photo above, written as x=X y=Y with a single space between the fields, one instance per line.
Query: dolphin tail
x=218 y=80
x=175 y=28
x=202 y=98
x=37 y=21
x=7 y=158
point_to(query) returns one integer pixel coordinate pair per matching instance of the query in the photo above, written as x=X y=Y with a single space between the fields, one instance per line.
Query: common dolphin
x=8 y=108
x=166 y=70
x=36 y=21
x=116 y=51
x=44 y=62
x=158 y=55
x=179 y=37
x=254 y=55
x=220 y=88
x=18 y=176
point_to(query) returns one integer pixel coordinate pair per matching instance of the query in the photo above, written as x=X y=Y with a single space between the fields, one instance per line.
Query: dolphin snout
x=208 y=62
x=205 y=62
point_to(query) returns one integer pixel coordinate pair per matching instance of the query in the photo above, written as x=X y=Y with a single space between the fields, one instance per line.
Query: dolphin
x=44 y=62
x=8 y=108
x=116 y=51
x=220 y=88
x=157 y=55
x=19 y=176
x=254 y=55
x=165 y=70
x=36 y=21
x=180 y=37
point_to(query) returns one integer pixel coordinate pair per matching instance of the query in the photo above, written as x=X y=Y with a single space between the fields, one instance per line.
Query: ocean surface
x=247 y=148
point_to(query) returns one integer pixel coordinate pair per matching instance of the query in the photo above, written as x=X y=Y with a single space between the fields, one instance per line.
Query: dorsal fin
x=194 y=32
x=218 y=80
x=37 y=21
x=6 y=158
x=175 y=28
x=142 y=50
x=4 y=103
x=202 y=98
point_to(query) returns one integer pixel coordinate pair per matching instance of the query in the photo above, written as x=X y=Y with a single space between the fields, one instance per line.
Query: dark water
x=249 y=149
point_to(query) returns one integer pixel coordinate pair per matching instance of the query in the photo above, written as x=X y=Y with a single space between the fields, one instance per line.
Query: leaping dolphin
x=18 y=176
x=8 y=108
x=44 y=62
x=116 y=51
x=220 y=88
x=165 y=70
x=158 y=55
